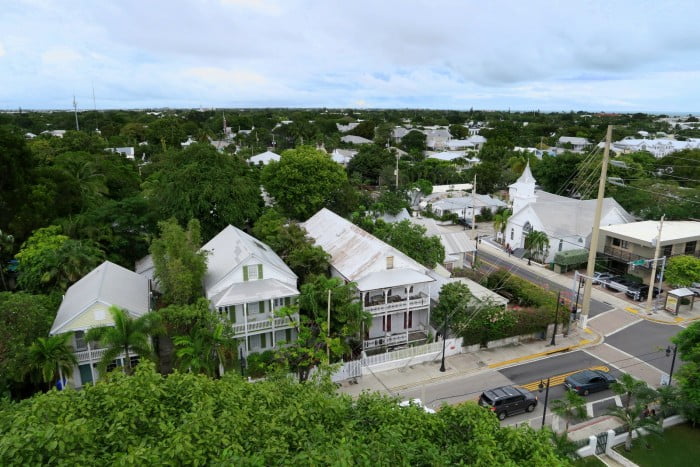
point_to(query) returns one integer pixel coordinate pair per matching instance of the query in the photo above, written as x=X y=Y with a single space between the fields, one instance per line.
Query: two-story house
x=626 y=243
x=394 y=288
x=86 y=305
x=247 y=282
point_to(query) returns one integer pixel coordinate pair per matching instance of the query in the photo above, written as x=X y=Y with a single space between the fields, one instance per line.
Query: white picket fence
x=396 y=359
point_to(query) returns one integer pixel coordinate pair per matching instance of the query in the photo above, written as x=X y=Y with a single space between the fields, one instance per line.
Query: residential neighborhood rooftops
x=645 y=232
x=108 y=284
x=355 y=139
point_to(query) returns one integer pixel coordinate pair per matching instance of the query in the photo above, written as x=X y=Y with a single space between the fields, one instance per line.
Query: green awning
x=571 y=257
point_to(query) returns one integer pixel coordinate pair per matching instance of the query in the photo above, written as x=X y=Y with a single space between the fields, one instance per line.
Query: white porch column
x=428 y=323
x=92 y=370
x=245 y=327
x=272 y=311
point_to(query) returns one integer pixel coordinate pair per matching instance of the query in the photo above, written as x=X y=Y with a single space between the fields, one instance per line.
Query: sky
x=591 y=55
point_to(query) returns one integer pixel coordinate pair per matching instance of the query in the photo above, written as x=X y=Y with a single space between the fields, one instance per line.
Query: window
x=561 y=244
x=512 y=233
x=288 y=335
x=390 y=262
x=263 y=340
x=690 y=247
x=386 y=324
x=527 y=228
x=408 y=320
x=619 y=243
x=80 y=343
x=252 y=272
x=261 y=307
x=278 y=302
x=667 y=250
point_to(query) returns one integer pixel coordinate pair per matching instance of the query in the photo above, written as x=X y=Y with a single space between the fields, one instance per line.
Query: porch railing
x=411 y=304
x=264 y=325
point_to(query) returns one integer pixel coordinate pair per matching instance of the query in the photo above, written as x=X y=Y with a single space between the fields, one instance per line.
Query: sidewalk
x=412 y=376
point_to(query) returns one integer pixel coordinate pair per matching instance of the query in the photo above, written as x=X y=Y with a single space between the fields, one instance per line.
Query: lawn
x=679 y=446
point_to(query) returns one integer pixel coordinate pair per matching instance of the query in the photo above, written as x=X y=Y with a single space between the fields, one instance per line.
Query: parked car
x=602 y=277
x=587 y=381
x=418 y=403
x=619 y=284
x=467 y=223
x=640 y=292
x=508 y=400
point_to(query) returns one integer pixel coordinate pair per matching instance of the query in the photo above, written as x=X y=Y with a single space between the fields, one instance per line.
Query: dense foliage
x=187 y=419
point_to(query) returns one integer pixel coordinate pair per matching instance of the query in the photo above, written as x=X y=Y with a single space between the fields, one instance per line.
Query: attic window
x=390 y=262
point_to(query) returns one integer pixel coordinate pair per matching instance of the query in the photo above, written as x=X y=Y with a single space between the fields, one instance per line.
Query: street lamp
x=546 y=398
x=556 y=321
x=444 y=339
x=673 y=362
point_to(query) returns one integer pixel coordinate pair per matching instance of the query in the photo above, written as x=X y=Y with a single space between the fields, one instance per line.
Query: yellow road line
x=632 y=310
x=559 y=379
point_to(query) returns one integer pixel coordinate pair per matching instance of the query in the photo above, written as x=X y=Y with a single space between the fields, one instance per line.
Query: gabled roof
x=108 y=283
x=355 y=139
x=264 y=157
x=354 y=252
x=231 y=247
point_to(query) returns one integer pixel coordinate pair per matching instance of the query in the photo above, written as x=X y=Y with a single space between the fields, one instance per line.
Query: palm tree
x=71 y=261
x=572 y=406
x=633 y=388
x=536 y=242
x=500 y=220
x=49 y=354
x=634 y=419
x=563 y=445
x=206 y=350
x=127 y=336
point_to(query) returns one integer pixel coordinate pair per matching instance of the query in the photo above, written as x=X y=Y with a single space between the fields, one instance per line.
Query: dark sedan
x=587 y=381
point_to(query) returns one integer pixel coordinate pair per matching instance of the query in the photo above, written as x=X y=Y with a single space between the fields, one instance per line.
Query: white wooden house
x=394 y=288
x=86 y=305
x=247 y=282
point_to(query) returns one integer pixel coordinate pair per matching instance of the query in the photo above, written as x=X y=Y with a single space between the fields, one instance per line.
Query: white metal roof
x=229 y=248
x=108 y=283
x=253 y=291
x=645 y=232
x=391 y=278
x=354 y=252
x=264 y=157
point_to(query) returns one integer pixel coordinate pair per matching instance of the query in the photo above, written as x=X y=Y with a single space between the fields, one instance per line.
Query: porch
x=396 y=340
x=380 y=304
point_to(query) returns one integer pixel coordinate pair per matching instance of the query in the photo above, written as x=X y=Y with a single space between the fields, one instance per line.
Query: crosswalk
x=558 y=379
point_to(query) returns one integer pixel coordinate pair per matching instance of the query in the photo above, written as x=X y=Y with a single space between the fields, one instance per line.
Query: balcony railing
x=399 y=305
x=393 y=340
x=626 y=256
x=255 y=327
x=84 y=355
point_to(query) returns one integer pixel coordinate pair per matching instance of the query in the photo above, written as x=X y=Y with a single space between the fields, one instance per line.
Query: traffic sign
x=639 y=262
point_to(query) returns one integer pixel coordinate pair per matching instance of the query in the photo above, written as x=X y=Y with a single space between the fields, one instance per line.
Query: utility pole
x=650 y=295
x=474 y=206
x=328 y=343
x=75 y=110
x=586 y=305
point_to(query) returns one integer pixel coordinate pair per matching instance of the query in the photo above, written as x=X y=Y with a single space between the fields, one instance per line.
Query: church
x=567 y=222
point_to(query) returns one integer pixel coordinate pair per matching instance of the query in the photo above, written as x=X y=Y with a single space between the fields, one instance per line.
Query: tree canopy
x=303 y=181
x=682 y=270
x=189 y=419
x=410 y=239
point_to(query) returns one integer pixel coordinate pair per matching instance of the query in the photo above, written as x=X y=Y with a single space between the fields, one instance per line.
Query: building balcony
x=397 y=303
x=83 y=356
x=621 y=254
x=394 y=340
x=264 y=325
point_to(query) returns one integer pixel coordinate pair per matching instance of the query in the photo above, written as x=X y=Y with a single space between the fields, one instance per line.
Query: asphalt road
x=490 y=263
x=647 y=341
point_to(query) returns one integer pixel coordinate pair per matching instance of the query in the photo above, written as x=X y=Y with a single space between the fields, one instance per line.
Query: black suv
x=508 y=400
x=640 y=292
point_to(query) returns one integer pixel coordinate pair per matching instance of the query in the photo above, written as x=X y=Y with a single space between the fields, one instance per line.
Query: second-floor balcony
x=396 y=303
x=95 y=355
x=263 y=325
x=627 y=256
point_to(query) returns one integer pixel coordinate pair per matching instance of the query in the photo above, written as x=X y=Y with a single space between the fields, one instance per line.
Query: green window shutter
x=287 y=301
x=232 y=314
x=245 y=273
x=260 y=276
x=288 y=335
x=261 y=307
x=263 y=340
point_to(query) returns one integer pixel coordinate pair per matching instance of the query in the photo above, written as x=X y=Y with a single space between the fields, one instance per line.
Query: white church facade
x=567 y=222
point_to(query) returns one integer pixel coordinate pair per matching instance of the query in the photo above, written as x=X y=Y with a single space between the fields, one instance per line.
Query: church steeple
x=522 y=192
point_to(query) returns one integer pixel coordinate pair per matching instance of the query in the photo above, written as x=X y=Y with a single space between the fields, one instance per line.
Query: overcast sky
x=611 y=55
